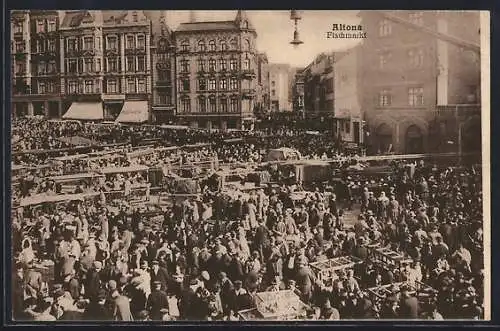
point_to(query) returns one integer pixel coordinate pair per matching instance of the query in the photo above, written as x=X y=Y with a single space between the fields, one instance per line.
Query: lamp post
x=295 y=16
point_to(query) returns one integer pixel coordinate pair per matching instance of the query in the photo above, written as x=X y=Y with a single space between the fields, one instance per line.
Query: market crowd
x=207 y=257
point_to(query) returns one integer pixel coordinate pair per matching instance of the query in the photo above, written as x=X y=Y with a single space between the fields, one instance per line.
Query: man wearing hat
x=305 y=279
x=158 y=300
x=143 y=316
x=189 y=300
x=329 y=313
x=159 y=274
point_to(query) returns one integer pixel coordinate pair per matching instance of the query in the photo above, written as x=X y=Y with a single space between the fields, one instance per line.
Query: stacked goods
x=186 y=186
x=282 y=304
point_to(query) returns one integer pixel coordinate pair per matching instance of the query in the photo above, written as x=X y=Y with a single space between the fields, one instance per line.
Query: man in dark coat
x=157 y=301
x=93 y=281
x=305 y=280
x=97 y=310
x=408 y=307
x=160 y=274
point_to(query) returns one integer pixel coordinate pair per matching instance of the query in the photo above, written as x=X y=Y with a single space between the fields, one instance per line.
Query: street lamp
x=295 y=16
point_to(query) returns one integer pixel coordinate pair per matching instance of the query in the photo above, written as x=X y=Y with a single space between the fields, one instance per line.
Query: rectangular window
x=202 y=84
x=384 y=28
x=41 y=88
x=385 y=98
x=212 y=85
x=141 y=86
x=88 y=43
x=52 y=45
x=186 y=105
x=130 y=64
x=40 y=46
x=18 y=28
x=52 y=26
x=201 y=65
x=233 y=64
x=141 y=42
x=223 y=105
x=72 y=87
x=416 y=58
x=211 y=65
x=184 y=66
x=234 y=106
x=98 y=43
x=141 y=63
x=202 y=105
x=246 y=64
x=223 y=84
x=416 y=96
x=131 y=86
x=88 y=65
x=213 y=105
x=348 y=127
x=164 y=99
x=52 y=67
x=416 y=17
x=185 y=46
x=50 y=87
x=89 y=86
x=233 y=84
x=130 y=42
x=112 y=65
x=71 y=44
x=112 y=43
x=80 y=67
x=223 y=64
x=72 y=66
x=40 y=26
x=112 y=86
x=384 y=59
x=273 y=93
x=98 y=65
x=185 y=85
x=19 y=47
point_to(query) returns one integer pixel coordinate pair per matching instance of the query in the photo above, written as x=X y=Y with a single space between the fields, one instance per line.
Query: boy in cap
x=158 y=300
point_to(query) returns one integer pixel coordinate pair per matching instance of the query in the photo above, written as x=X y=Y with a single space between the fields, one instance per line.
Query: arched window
x=234 y=44
x=223 y=45
x=201 y=46
x=202 y=104
x=212 y=45
x=248 y=45
x=185 y=46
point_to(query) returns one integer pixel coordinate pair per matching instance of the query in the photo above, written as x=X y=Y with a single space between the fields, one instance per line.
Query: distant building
x=298 y=91
x=216 y=73
x=348 y=92
x=319 y=96
x=416 y=83
x=262 y=102
x=280 y=78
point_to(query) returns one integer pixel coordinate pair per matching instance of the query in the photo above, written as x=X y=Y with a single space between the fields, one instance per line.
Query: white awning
x=134 y=112
x=89 y=111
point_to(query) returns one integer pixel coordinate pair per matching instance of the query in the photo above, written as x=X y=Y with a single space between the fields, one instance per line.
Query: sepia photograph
x=249 y=165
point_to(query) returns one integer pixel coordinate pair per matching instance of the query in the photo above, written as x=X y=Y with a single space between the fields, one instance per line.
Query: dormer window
x=212 y=45
x=245 y=24
x=134 y=16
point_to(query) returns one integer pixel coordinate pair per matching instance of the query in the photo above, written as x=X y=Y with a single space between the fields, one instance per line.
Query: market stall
x=277 y=306
x=326 y=271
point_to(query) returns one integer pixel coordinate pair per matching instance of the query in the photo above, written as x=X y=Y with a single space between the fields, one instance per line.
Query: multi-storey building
x=319 y=86
x=347 y=87
x=280 y=77
x=262 y=102
x=162 y=69
x=35 y=63
x=298 y=92
x=105 y=61
x=127 y=65
x=216 y=74
x=416 y=62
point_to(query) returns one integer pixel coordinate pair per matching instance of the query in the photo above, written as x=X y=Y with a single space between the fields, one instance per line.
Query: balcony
x=248 y=93
x=163 y=83
x=249 y=73
x=460 y=111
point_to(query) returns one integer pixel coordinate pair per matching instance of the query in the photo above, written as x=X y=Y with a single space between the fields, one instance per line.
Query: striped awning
x=134 y=112
x=87 y=111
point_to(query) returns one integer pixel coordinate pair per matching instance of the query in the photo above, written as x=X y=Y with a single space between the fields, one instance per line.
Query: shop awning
x=87 y=111
x=134 y=112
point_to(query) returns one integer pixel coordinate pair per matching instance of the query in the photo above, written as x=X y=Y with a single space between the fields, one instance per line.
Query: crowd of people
x=208 y=256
